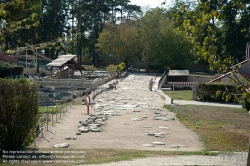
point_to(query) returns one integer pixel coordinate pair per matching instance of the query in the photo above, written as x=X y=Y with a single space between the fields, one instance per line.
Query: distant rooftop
x=7 y=58
x=61 y=60
x=178 y=72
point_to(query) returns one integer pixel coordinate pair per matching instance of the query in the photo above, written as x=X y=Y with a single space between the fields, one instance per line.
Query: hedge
x=11 y=70
x=19 y=113
x=219 y=92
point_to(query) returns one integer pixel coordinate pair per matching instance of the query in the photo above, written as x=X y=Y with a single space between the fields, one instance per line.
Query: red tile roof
x=7 y=58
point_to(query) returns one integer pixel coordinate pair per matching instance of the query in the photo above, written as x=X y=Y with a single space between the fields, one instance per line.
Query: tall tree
x=219 y=31
x=53 y=24
x=161 y=43
x=121 y=41
x=18 y=20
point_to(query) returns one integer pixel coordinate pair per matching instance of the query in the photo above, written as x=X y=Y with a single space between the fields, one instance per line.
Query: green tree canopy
x=120 y=41
x=162 y=45
x=219 y=29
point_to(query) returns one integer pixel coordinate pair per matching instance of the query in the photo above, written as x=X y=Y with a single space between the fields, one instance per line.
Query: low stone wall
x=70 y=83
x=30 y=71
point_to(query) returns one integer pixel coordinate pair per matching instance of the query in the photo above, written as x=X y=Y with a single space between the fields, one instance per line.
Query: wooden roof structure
x=243 y=67
x=61 y=60
x=66 y=60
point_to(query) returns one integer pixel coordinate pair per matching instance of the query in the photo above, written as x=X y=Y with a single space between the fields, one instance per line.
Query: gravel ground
x=136 y=108
x=223 y=160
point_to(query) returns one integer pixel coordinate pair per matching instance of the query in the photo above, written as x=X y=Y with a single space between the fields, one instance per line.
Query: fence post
x=71 y=100
x=42 y=127
x=60 y=110
x=248 y=156
x=65 y=104
x=56 y=112
x=52 y=115
x=47 y=119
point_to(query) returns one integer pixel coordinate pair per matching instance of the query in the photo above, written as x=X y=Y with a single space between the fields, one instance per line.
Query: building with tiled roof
x=7 y=58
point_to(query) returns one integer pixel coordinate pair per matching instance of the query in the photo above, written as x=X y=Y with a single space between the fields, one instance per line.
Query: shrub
x=11 y=70
x=246 y=101
x=119 y=67
x=219 y=95
x=228 y=98
x=224 y=94
x=123 y=65
x=19 y=113
x=217 y=92
x=6 y=64
x=111 y=69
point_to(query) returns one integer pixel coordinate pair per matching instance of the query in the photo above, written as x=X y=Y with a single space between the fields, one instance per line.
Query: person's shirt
x=150 y=81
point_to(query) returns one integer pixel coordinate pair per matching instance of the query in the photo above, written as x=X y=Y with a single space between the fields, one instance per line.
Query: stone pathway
x=130 y=117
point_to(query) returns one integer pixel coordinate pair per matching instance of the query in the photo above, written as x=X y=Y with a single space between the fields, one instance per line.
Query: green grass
x=219 y=128
x=43 y=109
x=180 y=94
x=98 y=156
x=203 y=74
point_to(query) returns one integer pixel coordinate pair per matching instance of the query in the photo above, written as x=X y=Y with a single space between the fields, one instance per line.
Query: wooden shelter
x=65 y=65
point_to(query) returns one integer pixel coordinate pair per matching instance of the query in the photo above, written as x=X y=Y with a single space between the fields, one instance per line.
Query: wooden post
x=248 y=156
x=172 y=100
x=72 y=100
x=60 y=110
x=42 y=128
x=52 y=115
x=65 y=104
x=56 y=112
x=47 y=119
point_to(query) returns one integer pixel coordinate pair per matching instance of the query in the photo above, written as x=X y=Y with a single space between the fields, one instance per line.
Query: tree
x=121 y=41
x=18 y=22
x=173 y=46
x=218 y=29
x=162 y=45
x=53 y=25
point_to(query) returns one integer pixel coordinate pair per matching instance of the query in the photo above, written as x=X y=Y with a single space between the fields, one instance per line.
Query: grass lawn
x=180 y=94
x=219 y=128
x=44 y=109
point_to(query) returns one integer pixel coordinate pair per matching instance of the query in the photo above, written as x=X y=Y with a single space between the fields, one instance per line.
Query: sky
x=150 y=3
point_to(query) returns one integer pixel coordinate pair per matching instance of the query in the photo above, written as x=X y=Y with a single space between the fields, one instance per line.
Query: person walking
x=131 y=69
x=151 y=82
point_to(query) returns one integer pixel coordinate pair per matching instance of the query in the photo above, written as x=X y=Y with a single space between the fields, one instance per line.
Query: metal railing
x=162 y=80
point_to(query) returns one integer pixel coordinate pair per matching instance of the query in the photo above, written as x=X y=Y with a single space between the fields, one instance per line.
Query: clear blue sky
x=150 y=3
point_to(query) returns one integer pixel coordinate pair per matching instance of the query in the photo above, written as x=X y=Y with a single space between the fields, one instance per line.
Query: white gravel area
x=223 y=160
